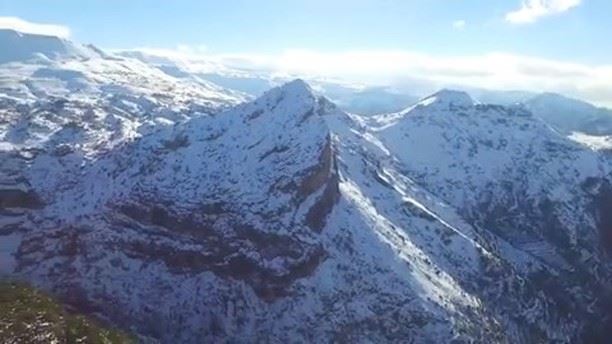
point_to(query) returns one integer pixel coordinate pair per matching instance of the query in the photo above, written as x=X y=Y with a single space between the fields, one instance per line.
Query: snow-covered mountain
x=18 y=46
x=353 y=98
x=565 y=114
x=571 y=115
x=286 y=219
x=59 y=97
x=505 y=98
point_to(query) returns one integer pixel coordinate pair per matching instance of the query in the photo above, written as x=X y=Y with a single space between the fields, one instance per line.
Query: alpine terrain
x=182 y=211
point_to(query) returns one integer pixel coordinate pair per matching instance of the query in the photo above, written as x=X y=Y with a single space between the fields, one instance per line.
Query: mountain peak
x=25 y=46
x=556 y=99
x=297 y=86
x=555 y=103
x=448 y=98
x=294 y=94
x=8 y=32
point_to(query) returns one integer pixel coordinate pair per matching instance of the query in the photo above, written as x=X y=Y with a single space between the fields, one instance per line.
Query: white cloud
x=496 y=70
x=459 y=24
x=25 y=26
x=532 y=10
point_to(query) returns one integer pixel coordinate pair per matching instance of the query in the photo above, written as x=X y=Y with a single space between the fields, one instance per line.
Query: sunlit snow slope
x=178 y=211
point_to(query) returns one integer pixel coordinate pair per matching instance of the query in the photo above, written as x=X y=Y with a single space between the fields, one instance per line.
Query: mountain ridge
x=285 y=218
x=24 y=46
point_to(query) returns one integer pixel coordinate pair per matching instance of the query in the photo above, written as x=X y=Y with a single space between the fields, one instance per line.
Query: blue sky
x=542 y=45
x=267 y=26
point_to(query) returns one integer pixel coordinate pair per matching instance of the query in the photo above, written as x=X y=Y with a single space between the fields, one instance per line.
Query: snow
x=448 y=98
x=570 y=115
x=156 y=182
x=24 y=46
x=349 y=96
x=592 y=141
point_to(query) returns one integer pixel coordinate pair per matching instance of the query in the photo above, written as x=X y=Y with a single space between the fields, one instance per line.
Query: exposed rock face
x=228 y=254
x=15 y=190
x=324 y=176
x=285 y=219
x=225 y=243
x=193 y=217
x=600 y=189
x=317 y=214
x=604 y=212
x=15 y=198
x=527 y=205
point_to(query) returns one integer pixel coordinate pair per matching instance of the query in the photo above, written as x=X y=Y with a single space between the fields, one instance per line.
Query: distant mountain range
x=197 y=207
x=565 y=114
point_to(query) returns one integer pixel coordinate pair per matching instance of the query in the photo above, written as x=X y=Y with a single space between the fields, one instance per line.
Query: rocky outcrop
x=18 y=198
x=233 y=250
x=15 y=190
x=284 y=219
x=209 y=231
x=600 y=190
x=323 y=176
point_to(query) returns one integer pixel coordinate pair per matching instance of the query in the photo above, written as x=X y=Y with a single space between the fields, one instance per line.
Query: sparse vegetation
x=30 y=316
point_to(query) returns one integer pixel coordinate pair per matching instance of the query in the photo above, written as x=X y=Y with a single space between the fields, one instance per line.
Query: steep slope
x=241 y=223
x=59 y=99
x=286 y=219
x=535 y=198
x=190 y=188
x=216 y=199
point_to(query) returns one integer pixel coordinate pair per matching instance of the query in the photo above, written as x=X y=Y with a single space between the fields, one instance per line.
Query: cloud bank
x=500 y=71
x=25 y=26
x=533 y=10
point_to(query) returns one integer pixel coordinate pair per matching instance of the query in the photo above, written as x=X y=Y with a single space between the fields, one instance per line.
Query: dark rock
x=16 y=198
